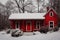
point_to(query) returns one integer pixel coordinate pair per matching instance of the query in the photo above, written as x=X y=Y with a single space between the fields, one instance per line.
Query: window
x=51 y=14
x=17 y=24
x=38 y=24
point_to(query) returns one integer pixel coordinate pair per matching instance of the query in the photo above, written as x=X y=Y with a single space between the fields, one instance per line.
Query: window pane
x=51 y=14
x=38 y=25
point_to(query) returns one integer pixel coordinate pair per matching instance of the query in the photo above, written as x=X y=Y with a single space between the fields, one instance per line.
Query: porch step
x=28 y=33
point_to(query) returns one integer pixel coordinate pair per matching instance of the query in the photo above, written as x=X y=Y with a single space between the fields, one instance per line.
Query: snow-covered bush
x=17 y=33
x=14 y=34
x=21 y=33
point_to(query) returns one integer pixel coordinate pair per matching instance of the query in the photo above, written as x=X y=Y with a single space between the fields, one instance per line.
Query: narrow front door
x=51 y=23
x=28 y=26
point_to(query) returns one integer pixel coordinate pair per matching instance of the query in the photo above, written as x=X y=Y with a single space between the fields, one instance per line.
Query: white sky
x=3 y=1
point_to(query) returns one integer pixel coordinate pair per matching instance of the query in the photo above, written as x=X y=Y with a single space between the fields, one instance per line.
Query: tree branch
x=27 y=4
x=18 y=6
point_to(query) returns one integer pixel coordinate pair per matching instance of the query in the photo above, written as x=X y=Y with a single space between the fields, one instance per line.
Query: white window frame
x=36 y=24
x=49 y=24
x=30 y=25
x=50 y=14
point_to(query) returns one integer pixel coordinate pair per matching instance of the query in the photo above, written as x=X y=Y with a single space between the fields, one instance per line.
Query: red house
x=29 y=22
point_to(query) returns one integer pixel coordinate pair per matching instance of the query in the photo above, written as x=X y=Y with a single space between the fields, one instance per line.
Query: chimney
x=47 y=8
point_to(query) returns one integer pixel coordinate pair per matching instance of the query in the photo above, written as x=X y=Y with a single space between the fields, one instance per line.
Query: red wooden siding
x=33 y=26
x=23 y=25
x=51 y=18
x=12 y=23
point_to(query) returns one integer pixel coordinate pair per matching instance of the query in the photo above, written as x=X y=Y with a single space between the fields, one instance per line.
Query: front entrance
x=28 y=26
x=51 y=24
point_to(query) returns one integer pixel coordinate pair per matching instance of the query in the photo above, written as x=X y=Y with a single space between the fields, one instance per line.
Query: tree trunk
x=18 y=6
x=23 y=7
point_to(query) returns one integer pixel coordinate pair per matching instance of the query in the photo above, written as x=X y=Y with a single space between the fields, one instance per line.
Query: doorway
x=51 y=24
x=28 y=26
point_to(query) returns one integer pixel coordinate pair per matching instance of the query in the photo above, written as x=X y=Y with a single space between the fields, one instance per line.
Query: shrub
x=17 y=33
x=56 y=28
x=44 y=30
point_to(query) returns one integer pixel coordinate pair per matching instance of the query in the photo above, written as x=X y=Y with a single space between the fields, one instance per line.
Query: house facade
x=29 y=22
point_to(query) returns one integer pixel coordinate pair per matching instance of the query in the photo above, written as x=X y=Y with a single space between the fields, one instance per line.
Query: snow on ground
x=38 y=36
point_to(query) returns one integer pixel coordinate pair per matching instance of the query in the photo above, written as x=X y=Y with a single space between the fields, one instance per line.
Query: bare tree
x=38 y=2
x=4 y=23
x=42 y=4
x=21 y=4
x=55 y=4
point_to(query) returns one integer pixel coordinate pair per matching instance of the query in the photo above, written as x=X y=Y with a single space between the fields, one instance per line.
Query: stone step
x=28 y=33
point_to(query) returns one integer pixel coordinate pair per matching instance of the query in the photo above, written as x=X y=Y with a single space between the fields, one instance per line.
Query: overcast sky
x=3 y=1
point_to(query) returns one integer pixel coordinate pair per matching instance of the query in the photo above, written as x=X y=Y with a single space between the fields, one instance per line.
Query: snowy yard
x=38 y=36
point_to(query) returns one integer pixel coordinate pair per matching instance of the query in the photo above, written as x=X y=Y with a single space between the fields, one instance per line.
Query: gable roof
x=27 y=16
x=50 y=10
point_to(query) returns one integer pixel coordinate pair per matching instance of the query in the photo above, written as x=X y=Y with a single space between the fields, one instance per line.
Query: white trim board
x=49 y=24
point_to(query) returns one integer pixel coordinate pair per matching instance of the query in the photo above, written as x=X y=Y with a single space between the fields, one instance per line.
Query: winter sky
x=3 y=1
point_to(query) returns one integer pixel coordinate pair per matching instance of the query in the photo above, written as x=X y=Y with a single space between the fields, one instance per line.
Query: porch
x=28 y=25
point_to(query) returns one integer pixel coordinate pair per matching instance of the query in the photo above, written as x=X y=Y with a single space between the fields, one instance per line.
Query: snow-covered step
x=28 y=33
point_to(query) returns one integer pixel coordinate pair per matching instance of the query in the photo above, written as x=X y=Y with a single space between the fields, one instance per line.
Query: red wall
x=33 y=25
x=51 y=18
x=23 y=24
x=12 y=23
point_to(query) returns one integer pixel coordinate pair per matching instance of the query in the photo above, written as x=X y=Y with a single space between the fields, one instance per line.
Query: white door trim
x=30 y=25
x=49 y=24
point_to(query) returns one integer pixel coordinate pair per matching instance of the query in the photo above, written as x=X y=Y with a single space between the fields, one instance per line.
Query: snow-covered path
x=38 y=36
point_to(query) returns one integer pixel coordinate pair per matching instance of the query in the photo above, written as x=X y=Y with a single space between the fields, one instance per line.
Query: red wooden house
x=28 y=22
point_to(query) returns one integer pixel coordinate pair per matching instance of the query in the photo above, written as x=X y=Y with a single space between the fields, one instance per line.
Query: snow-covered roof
x=27 y=16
